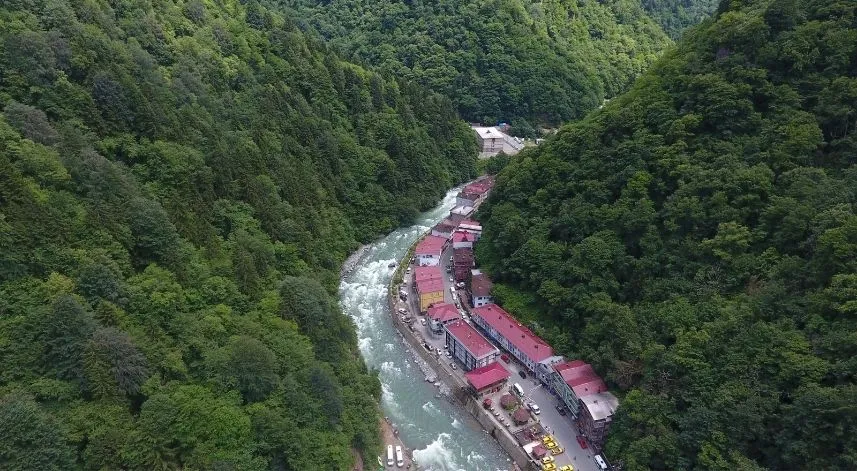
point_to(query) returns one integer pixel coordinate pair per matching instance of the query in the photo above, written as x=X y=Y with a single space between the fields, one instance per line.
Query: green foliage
x=695 y=240
x=179 y=184
x=498 y=60
x=675 y=16
x=31 y=438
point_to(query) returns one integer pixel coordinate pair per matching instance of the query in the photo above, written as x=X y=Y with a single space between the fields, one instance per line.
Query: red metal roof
x=429 y=286
x=431 y=245
x=461 y=236
x=470 y=338
x=487 y=375
x=480 y=285
x=443 y=312
x=521 y=337
x=477 y=188
x=580 y=377
x=427 y=273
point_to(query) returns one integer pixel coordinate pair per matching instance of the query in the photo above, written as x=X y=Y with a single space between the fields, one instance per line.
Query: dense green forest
x=520 y=61
x=179 y=184
x=675 y=16
x=696 y=240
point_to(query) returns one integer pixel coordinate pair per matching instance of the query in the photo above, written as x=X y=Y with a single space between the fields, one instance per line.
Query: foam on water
x=437 y=456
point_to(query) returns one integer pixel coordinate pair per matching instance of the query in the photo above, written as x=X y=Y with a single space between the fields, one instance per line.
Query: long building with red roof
x=427 y=273
x=518 y=340
x=469 y=346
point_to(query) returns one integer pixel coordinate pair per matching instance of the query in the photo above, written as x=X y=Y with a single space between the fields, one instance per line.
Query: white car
x=535 y=408
x=423 y=321
x=451 y=280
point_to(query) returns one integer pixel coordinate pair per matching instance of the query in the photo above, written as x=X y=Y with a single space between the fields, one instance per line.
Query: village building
x=490 y=140
x=462 y=239
x=573 y=380
x=487 y=379
x=544 y=369
x=443 y=229
x=440 y=314
x=462 y=263
x=466 y=199
x=427 y=273
x=469 y=346
x=429 y=250
x=463 y=212
x=596 y=414
x=429 y=292
x=472 y=227
x=518 y=340
x=480 y=289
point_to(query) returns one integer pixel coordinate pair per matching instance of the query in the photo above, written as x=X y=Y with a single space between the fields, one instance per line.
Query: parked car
x=547 y=459
x=556 y=450
x=582 y=442
x=549 y=467
x=423 y=321
x=567 y=467
x=460 y=284
x=403 y=310
x=522 y=374
x=534 y=407
x=560 y=409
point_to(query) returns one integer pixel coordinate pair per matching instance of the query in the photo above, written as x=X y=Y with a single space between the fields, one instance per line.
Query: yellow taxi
x=547 y=459
x=549 y=467
x=556 y=450
x=567 y=467
x=547 y=439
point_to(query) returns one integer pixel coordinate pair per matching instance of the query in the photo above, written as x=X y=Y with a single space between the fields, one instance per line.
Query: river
x=444 y=436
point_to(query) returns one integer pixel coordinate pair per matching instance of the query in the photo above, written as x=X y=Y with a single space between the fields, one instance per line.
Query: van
x=389 y=455
x=517 y=389
x=601 y=464
x=400 y=458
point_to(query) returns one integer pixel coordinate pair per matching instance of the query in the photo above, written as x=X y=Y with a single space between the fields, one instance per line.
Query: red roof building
x=427 y=273
x=462 y=263
x=429 y=250
x=469 y=346
x=441 y=314
x=462 y=239
x=429 y=286
x=487 y=379
x=524 y=345
x=573 y=380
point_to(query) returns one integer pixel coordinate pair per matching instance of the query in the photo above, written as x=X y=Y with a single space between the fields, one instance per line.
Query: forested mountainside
x=676 y=15
x=179 y=184
x=696 y=240
x=520 y=61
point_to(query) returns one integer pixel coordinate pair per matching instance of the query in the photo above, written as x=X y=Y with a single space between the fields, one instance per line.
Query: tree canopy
x=517 y=61
x=696 y=240
x=171 y=172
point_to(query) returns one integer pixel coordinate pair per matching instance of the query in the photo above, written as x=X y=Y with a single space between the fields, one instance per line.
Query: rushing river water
x=444 y=436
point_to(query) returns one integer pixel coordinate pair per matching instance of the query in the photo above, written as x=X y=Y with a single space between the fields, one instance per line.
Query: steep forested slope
x=545 y=62
x=697 y=241
x=676 y=15
x=179 y=182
